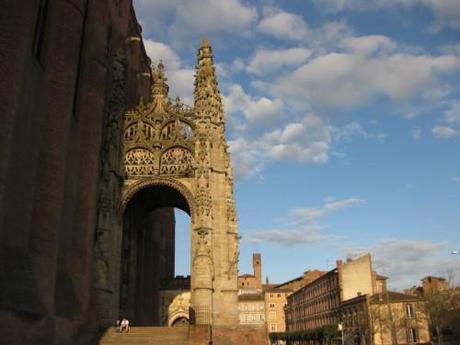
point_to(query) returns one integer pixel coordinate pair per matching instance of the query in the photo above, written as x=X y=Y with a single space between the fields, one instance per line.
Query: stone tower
x=257 y=266
x=177 y=156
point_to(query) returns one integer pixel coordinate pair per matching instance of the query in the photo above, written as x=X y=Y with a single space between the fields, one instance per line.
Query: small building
x=252 y=281
x=275 y=302
x=251 y=309
x=399 y=316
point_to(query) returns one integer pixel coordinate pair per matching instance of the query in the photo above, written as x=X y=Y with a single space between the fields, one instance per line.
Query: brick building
x=252 y=281
x=251 y=310
x=69 y=69
x=275 y=301
x=353 y=296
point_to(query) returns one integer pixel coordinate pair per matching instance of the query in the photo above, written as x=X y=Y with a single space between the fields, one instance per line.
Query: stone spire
x=208 y=102
x=159 y=88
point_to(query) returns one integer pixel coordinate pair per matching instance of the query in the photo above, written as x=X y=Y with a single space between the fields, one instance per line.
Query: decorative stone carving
x=171 y=144
x=176 y=161
x=139 y=162
x=110 y=191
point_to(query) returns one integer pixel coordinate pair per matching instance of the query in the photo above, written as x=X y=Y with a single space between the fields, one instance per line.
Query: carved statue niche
x=203 y=266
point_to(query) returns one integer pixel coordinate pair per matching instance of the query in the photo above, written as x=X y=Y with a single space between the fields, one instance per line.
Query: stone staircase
x=147 y=336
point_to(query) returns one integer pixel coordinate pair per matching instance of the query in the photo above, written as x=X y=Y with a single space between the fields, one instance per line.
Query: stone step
x=147 y=336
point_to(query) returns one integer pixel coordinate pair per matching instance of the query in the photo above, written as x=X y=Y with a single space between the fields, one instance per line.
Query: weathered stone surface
x=56 y=72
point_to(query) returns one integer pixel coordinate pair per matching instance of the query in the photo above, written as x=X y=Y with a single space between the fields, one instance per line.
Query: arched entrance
x=173 y=155
x=148 y=248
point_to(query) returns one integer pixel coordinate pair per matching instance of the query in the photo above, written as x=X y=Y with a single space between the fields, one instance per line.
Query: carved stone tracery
x=176 y=161
x=171 y=144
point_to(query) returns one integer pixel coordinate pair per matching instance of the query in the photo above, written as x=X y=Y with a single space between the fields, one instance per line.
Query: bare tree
x=439 y=306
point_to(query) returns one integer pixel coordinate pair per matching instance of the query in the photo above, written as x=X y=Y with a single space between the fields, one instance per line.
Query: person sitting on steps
x=124 y=325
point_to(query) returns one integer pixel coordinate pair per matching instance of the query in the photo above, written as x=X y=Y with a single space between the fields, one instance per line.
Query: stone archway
x=170 y=147
x=148 y=246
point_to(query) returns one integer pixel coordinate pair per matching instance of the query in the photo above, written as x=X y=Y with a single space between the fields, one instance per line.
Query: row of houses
x=349 y=304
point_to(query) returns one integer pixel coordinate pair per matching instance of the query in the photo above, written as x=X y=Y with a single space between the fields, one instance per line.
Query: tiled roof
x=251 y=297
x=393 y=297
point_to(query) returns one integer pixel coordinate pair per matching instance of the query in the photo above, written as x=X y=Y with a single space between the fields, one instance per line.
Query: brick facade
x=56 y=63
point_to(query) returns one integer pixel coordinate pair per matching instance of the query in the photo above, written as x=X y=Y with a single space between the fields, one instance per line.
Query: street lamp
x=340 y=328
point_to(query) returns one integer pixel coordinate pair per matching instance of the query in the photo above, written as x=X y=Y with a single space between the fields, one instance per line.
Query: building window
x=411 y=335
x=410 y=311
x=272 y=305
x=272 y=316
x=273 y=327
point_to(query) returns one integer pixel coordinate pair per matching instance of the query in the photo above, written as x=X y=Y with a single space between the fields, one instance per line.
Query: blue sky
x=343 y=118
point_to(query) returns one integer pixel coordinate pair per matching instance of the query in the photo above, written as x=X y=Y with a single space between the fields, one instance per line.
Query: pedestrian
x=124 y=325
x=118 y=325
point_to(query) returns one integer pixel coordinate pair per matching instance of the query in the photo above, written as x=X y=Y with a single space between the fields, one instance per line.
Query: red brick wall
x=52 y=114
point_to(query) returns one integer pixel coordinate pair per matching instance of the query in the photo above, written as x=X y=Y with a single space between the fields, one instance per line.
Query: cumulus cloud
x=416 y=133
x=306 y=141
x=446 y=12
x=270 y=61
x=247 y=159
x=452 y=115
x=405 y=262
x=350 y=80
x=282 y=24
x=254 y=109
x=303 y=225
x=211 y=16
x=369 y=45
x=180 y=79
x=443 y=132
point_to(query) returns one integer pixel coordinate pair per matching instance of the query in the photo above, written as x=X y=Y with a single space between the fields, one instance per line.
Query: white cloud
x=282 y=24
x=211 y=16
x=350 y=80
x=446 y=12
x=303 y=225
x=180 y=79
x=246 y=158
x=369 y=45
x=452 y=115
x=416 y=133
x=354 y=129
x=405 y=262
x=287 y=237
x=269 y=61
x=255 y=110
x=159 y=51
x=301 y=215
x=443 y=132
x=306 y=141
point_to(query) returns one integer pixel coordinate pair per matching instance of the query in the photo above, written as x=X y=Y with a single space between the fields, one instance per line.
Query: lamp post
x=340 y=328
